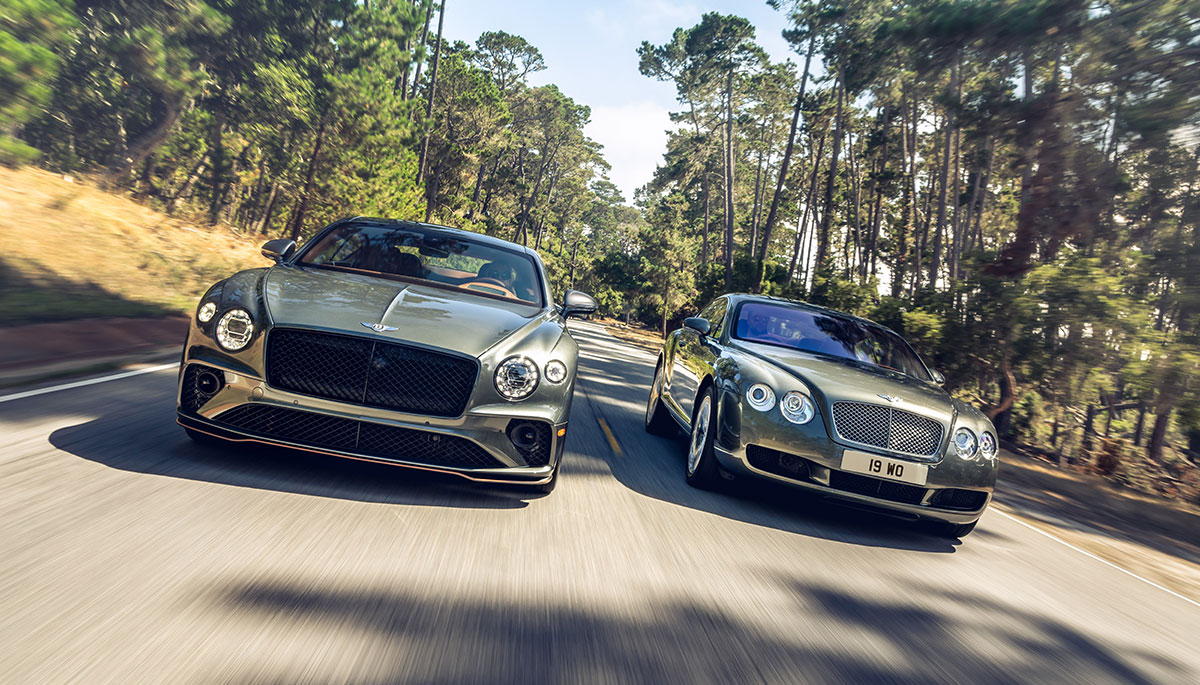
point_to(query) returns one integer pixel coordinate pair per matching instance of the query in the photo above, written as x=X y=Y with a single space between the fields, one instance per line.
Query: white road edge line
x=80 y=384
x=1103 y=561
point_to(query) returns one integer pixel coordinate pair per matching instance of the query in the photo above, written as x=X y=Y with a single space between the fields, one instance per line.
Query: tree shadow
x=159 y=447
x=1159 y=526
x=834 y=635
x=33 y=294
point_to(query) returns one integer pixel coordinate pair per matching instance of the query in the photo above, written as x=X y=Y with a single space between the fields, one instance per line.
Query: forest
x=1011 y=185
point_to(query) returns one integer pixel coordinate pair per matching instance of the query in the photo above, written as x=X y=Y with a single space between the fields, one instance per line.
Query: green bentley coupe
x=389 y=341
x=822 y=401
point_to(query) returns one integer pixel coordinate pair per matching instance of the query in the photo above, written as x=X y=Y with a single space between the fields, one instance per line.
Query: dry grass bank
x=70 y=250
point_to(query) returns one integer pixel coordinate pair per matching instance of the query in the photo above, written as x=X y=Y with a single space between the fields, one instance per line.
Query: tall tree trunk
x=906 y=224
x=956 y=223
x=987 y=176
x=808 y=203
x=758 y=172
x=827 y=205
x=302 y=202
x=217 y=155
x=729 y=180
x=265 y=223
x=421 y=46
x=437 y=54
x=856 y=182
x=186 y=185
x=136 y=151
x=877 y=190
x=475 y=193
x=707 y=217
x=935 y=261
x=783 y=169
x=431 y=188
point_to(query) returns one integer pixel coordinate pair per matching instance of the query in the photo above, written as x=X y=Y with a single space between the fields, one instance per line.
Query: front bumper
x=809 y=475
x=482 y=432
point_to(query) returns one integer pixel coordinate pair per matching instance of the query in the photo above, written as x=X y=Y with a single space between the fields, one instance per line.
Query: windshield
x=801 y=329
x=411 y=253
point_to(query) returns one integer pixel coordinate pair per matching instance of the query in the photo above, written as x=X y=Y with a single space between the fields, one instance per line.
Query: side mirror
x=279 y=249
x=576 y=303
x=701 y=326
x=937 y=377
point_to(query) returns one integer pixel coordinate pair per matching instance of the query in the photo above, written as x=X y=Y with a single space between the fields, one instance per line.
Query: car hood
x=838 y=380
x=427 y=315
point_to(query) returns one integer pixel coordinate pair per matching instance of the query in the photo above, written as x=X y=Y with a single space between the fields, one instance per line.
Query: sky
x=590 y=49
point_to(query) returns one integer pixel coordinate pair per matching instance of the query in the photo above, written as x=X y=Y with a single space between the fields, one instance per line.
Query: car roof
x=478 y=237
x=808 y=306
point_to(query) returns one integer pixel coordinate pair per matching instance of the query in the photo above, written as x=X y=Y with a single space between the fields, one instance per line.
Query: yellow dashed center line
x=612 y=439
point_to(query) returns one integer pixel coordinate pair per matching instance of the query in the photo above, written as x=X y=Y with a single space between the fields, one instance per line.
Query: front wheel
x=658 y=422
x=702 y=469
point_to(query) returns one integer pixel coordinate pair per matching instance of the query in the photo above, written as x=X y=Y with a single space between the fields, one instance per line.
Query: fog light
x=524 y=435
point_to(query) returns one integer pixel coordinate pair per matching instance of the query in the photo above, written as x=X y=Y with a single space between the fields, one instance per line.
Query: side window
x=715 y=315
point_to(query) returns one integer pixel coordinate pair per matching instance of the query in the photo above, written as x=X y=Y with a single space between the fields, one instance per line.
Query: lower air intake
x=360 y=437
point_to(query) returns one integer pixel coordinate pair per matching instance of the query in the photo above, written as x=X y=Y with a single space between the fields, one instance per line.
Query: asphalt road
x=128 y=554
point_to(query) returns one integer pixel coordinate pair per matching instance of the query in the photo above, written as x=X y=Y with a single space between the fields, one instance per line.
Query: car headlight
x=556 y=371
x=797 y=407
x=761 y=396
x=516 y=378
x=987 y=445
x=965 y=443
x=235 y=329
x=207 y=311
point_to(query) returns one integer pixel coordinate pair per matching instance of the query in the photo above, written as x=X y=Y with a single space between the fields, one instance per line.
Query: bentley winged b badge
x=378 y=327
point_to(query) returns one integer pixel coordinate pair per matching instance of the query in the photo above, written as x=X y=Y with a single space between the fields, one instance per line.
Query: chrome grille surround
x=883 y=427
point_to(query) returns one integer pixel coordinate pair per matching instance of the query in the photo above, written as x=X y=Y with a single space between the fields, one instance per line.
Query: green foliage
x=30 y=33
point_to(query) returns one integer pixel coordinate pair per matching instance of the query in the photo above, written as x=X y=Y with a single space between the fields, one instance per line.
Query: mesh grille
x=369 y=372
x=876 y=487
x=895 y=430
x=956 y=498
x=361 y=437
x=191 y=397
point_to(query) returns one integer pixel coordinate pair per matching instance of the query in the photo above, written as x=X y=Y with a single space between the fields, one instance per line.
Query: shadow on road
x=159 y=447
x=613 y=385
x=415 y=638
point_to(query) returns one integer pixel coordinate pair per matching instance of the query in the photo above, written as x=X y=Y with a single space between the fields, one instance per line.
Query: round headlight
x=516 y=378
x=964 y=443
x=761 y=396
x=235 y=329
x=206 y=312
x=797 y=407
x=556 y=371
x=987 y=445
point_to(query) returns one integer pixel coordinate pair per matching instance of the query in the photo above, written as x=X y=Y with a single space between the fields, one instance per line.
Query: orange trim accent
x=373 y=461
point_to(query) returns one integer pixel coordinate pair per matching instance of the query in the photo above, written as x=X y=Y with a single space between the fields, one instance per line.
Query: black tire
x=201 y=438
x=658 y=421
x=704 y=474
x=955 y=530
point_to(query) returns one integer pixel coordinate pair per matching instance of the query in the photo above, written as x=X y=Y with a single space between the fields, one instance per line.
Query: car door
x=694 y=358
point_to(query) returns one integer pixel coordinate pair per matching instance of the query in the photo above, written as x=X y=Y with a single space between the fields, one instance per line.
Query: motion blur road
x=129 y=554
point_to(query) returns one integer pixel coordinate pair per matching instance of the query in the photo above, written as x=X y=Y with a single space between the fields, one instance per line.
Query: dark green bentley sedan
x=823 y=401
x=389 y=341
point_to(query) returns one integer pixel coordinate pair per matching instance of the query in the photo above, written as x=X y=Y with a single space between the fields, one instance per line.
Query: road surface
x=129 y=554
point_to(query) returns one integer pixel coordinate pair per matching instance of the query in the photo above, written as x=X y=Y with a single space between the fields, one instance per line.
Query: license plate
x=882 y=467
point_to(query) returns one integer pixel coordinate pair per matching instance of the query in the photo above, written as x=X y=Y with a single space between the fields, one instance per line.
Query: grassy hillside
x=69 y=250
